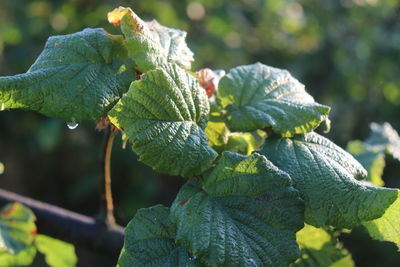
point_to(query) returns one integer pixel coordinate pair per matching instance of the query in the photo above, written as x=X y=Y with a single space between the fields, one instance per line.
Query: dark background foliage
x=346 y=52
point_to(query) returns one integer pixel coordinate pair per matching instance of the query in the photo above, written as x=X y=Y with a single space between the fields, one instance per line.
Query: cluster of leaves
x=256 y=169
x=19 y=240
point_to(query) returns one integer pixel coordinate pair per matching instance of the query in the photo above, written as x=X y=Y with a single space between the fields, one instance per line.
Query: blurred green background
x=346 y=52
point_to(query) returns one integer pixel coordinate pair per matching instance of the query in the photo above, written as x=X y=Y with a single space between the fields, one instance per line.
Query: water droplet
x=72 y=124
x=192 y=258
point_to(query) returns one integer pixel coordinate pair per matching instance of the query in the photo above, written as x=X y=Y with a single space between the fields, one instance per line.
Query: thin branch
x=73 y=227
x=107 y=198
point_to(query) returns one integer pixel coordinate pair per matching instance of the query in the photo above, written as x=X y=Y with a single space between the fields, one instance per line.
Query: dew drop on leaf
x=72 y=124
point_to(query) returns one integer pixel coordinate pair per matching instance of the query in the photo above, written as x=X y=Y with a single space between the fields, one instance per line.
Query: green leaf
x=57 y=253
x=77 y=77
x=384 y=139
x=216 y=131
x=17 y=227
x=23 y=258
x=373 y=161
x=149 y=241
x=245 y=143
x=244 y=212
x=150 y=44
x=387 y=227
x=164 y=115
x=320 y=248
x=324 y=174
x=258 y=96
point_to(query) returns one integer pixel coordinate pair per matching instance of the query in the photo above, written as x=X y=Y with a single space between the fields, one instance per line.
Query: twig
x=73 y=227
x=107 y=198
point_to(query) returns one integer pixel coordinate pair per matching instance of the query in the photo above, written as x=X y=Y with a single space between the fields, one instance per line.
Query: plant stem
x=107 y=198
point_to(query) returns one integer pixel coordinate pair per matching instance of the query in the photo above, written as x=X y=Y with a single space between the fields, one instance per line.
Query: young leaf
x=77 y=77
x=164 y=115
x=57 y=253
x=324 y=174
x=245 y=143
x=23 y=258
x=149 y=241
x=244 y=212
x=150 y=44
x=17 y=227
x=320 y=248
x=387 y=227
x=216 y=131
x=258 y=96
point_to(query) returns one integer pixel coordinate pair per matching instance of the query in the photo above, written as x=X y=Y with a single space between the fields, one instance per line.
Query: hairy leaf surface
x=244 y=212
x=320 y=248
x=149 y=241
x=17 y=227
x=324 y=174
x=164 y=115
x=150 y=44
x=258 y=96
x=57 y=253
x=77 y=77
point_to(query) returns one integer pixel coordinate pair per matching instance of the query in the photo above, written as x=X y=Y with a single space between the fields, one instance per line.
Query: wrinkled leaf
x=149 y=241
x=244 y=212
x=320 y=248
x=164 y=115
x=23 y=258
x=258 y=96
x=17 y=227
x=387 y=227
x=77 y=77
x=150 y=44
x=325 y=176
x=57 y=253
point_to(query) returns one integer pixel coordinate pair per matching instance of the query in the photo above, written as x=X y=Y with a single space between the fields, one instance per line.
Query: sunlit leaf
x=77 y=77
x=17 y=227
x=57 y=253
x=151 y=44
x=244 y=212
x=258 y=96
x=164 y=115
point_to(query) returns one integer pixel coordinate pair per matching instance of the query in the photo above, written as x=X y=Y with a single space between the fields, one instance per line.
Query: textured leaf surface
x=17 y=227
x=324 y=174
x=149 y=241
x=244 y=212
x=258 y=96
x=149 y=43
x=320 y=248
x=164 y=115
x=57 y=253
x=387 y=227
x=23 y=258
x=77 y=77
